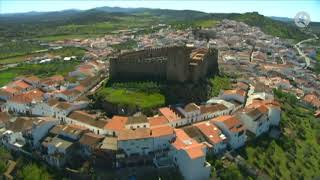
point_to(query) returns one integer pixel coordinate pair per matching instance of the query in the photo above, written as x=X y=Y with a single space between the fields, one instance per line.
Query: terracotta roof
x=189 y=145
x=57 y=78
x=87 y=119
x=21 y=84
x=21 y=124
x=53 y=102
x=211 y=131
x=211 y=108
x=90 y=139
x=32 y=78
x=4 y=117
x=79 y=88
x=312 y=99
x=68 y=129
x=158 y=121
x=117 y=123
x=191 y=107
x=169 y=114
x=8 y=90
x=28 y=97
x=164 y=130
x=137 y=119
x=63 y=105
x=231 y=122
x=140 y=133
x=240 y=92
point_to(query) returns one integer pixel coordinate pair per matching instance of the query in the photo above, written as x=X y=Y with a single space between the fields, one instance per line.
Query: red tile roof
x=189 y=145
x=169 y=114
x=117 y=123
x=164 y=130
x=140 y=133
x=211 y=131
x=231 y=122
x=158 y=121
x=21 y=84
x=28 y=97
x=239 y=92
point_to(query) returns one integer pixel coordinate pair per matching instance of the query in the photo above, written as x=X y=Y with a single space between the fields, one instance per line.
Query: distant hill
x=103 y=19
x=283 y=19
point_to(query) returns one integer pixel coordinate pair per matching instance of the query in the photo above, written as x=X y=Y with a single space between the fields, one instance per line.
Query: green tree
x=34 y=172
x=4 y=156
x=232 y=172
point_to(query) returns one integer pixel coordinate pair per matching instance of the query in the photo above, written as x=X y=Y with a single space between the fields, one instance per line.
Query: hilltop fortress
x=178 y=63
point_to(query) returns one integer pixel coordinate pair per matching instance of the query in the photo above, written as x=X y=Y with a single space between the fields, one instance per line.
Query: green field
x=129 y=97
x=65 y=37
x=41 y=70
x=145 y=95
x=207 y=23
x=13 y=60
x=17 y=48
x=66 y=51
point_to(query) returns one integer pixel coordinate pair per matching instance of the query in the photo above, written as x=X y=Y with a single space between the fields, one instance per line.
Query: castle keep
x=178 y=63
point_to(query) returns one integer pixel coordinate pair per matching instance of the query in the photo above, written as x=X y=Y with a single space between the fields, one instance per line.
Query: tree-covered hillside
x=105 y=19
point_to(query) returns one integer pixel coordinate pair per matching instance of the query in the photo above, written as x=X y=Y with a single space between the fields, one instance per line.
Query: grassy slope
x=41 y=70
x=143 y=95
x=67 y=51
x=296 y=153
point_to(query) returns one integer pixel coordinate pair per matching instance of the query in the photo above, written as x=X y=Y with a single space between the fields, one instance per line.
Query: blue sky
x=281 y=8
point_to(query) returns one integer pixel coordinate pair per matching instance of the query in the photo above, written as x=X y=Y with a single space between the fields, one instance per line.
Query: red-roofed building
x=238 y=95
x=255 y=119
x=190 y=157
x=233 y=128
x=158 y=121
x=213 y=136
x=173 y=117
x=22 y=103
x=115 y=125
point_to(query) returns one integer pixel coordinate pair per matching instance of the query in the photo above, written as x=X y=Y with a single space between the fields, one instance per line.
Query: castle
x=177 y=64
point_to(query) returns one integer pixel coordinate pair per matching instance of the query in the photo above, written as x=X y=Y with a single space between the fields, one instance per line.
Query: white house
x=58 y=151
x=191 y=112
x=274 y=110
x=238 y=95
x=233 y=128
x=255 y=120
x=135 y=142
x=40 y=129
x=22 y=103
x=143 y=141
x=190 y=157
x=209 y=111
x=135 y=122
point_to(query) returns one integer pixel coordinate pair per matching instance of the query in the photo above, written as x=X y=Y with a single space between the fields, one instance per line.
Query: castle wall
x=169 y=63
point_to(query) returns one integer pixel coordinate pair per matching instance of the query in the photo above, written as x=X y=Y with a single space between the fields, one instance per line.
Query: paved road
x=297 y=46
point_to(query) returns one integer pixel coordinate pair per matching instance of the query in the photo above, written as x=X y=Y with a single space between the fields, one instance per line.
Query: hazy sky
x=282 y=8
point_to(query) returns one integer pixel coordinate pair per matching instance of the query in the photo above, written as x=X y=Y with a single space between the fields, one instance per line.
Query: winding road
x=301 y=53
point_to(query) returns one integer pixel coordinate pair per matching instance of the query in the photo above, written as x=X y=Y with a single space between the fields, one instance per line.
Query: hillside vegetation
x=65 y=24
